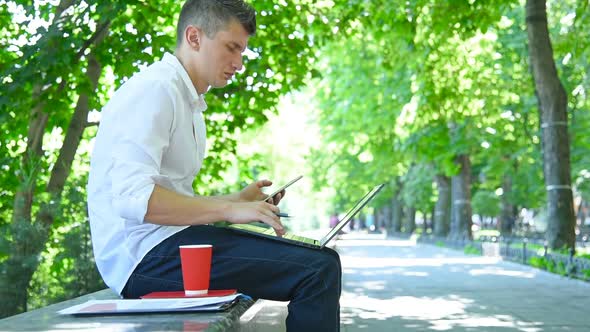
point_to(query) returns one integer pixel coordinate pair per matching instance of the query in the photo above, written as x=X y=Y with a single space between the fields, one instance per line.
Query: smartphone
x=283 y=187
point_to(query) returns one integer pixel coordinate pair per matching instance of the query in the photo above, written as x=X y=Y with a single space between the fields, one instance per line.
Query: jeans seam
x=162 y=256
x=158 y=279
x=262 y=259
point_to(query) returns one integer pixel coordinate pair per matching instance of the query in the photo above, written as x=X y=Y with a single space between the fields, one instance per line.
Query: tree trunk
x=387 y=216
x=552 y=101
x=26 y=235
x=63 y=165
x=29 y=238
x=381 y=217
x=425 y=223
x=397 y=213
x=507 y=216
x=410 y=224
x=30 y=163
x=461 y=200
x=442 y=209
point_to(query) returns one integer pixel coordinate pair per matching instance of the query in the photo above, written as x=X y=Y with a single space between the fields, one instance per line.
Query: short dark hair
x=214 y=15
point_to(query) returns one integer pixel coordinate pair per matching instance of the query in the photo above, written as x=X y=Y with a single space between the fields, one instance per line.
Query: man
x=149 y=147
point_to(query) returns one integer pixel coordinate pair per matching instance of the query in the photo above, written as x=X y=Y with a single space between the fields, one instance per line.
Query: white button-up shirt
x=151 y=132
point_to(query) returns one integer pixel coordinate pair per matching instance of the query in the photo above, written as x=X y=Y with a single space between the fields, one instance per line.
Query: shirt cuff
x=134 y=207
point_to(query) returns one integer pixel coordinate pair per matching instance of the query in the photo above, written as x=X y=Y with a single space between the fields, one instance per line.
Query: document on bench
x=135 y=306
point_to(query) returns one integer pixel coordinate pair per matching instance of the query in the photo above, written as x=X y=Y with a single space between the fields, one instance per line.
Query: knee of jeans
x=330 y=268
x=335 y=255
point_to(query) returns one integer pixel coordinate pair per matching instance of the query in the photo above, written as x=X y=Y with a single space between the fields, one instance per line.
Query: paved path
x=398 y=285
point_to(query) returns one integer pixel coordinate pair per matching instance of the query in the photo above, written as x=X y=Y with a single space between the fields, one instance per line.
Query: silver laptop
x=269 y=232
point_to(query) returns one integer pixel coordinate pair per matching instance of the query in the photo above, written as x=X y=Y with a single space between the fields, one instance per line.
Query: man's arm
x=166 y=207
x=233 y=197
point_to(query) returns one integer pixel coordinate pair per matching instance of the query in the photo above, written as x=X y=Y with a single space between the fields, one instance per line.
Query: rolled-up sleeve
x=145 y=124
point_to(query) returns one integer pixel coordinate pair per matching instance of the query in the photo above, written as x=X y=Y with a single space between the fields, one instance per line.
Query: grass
x=549 y=265
x=471 y=250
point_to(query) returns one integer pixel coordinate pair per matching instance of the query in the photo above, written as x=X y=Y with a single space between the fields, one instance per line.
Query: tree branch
x=96 y=37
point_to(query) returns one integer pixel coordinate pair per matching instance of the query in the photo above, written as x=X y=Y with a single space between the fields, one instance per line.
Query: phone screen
x=283 y=187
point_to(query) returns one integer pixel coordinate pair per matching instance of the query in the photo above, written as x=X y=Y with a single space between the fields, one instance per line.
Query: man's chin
x=221 y=84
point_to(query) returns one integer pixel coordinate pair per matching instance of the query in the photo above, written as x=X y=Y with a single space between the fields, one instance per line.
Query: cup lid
x=196 y=246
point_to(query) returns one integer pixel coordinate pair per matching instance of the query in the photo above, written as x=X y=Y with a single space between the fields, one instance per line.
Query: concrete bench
x=47 y=319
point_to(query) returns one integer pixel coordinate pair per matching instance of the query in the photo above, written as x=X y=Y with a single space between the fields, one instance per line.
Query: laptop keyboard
x=271 y=231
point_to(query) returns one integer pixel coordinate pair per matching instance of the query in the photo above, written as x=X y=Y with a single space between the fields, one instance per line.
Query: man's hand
x=253 y=192
x=166 y=207
x=245 y=212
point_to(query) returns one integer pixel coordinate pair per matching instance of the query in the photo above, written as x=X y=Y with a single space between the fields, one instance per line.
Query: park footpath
x=397 y=285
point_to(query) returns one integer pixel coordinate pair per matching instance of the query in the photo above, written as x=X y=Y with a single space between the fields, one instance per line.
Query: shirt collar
x=196 y=99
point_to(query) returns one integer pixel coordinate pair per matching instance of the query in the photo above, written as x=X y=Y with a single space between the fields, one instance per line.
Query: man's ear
x=192 y=36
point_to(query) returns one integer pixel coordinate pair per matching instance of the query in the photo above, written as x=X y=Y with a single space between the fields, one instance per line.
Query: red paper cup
x=196 y=268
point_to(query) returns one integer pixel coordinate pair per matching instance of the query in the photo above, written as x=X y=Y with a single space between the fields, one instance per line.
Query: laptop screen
x=351 y=213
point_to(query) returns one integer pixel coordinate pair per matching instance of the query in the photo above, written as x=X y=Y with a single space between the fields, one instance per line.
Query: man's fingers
x=279 y=197
x=276 y=198
x=263 y=183
x=271 y=207
x=275 y=223
x=272 y=219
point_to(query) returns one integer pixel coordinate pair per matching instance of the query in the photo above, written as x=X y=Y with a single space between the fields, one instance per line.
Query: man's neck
x=183 y=58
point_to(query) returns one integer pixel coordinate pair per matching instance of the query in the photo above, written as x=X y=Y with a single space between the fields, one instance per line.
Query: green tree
x=61 y=62
x=466 y=96
x=553 y=113
x=486 y=204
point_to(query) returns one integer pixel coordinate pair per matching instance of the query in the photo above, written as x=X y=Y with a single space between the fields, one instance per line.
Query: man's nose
x=238 y=63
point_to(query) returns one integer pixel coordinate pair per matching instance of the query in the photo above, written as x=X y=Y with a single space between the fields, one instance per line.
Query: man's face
x=222 y=55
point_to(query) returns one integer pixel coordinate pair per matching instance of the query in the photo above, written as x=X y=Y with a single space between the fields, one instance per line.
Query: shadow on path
x=398 y=285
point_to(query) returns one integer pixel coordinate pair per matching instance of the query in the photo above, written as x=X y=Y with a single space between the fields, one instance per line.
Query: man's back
x=146 y=137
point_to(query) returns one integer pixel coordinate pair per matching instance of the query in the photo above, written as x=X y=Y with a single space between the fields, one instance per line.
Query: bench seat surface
x=47 y=319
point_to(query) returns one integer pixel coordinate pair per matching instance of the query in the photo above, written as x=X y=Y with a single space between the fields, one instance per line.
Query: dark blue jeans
x=261 y=268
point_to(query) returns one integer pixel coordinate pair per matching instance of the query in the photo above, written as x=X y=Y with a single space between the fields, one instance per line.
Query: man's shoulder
x=160 y=72
x=154 y=80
